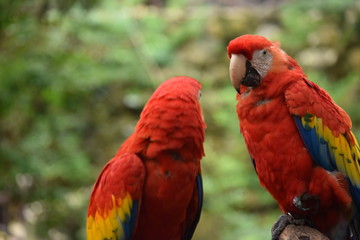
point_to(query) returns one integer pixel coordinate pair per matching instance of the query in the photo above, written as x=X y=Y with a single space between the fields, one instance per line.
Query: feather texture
x=152 y=188
x=299 y=139
x=331 y=152
x=114 y=203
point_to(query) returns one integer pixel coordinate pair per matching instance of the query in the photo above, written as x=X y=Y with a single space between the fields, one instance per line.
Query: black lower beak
x=252 y=77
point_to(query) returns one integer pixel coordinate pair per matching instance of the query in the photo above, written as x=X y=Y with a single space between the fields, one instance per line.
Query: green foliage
x=74 y=79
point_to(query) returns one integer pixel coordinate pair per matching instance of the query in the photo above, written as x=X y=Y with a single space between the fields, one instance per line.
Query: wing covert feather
x=325 y=130
x=116 y=198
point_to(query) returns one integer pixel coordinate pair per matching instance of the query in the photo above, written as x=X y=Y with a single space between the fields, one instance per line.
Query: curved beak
x=237 y=70
x=242 y=72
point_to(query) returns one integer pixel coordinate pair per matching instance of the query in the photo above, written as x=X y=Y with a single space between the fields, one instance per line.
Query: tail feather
x=354 y=229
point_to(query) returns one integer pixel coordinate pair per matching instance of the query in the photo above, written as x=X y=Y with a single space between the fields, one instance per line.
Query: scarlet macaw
x=299 y=140
x=152 y=187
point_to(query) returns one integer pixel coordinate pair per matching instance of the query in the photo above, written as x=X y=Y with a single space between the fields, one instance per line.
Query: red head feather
x=247 y=44
x=173 y=110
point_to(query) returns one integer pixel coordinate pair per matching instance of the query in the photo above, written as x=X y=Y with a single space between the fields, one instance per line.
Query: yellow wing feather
x=107 y=225
x=345 y=152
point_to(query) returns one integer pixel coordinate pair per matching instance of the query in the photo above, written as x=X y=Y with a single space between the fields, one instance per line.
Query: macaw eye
x=264 y=52
x=199 y=94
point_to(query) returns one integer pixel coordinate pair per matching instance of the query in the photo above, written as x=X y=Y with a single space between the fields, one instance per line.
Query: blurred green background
x=75 y=74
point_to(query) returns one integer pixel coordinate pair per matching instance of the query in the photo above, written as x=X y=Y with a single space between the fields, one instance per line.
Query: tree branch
x=293 y=232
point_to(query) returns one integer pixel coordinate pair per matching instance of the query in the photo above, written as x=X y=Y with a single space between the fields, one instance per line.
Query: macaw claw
x=283 y=221
x=306 y=202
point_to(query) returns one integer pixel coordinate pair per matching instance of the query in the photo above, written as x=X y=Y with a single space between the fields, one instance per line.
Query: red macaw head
x=252 y=58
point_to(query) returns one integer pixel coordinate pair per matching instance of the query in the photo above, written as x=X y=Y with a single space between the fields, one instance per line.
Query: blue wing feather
x=317 y=146
x=130 y=221
x=190 y=231
x=324 y=155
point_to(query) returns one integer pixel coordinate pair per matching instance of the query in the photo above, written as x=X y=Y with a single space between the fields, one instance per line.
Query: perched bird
x=300 y=141
x=152 y=187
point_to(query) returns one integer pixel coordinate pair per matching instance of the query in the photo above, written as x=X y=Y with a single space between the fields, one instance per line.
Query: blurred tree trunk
x=158 y=3
x=4 y=212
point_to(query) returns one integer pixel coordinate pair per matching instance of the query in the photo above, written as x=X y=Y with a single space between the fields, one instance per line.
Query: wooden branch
x=293 y=232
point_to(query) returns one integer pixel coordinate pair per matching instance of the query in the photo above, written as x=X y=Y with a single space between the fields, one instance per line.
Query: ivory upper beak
x=237 y=70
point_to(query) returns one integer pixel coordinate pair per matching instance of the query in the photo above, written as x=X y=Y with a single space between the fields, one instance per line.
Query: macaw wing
x=194 y=210
x=249 y=147
x=115 y=199
x=325 y=130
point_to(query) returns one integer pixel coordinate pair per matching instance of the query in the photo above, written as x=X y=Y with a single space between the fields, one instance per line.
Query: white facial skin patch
x=262 y=61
